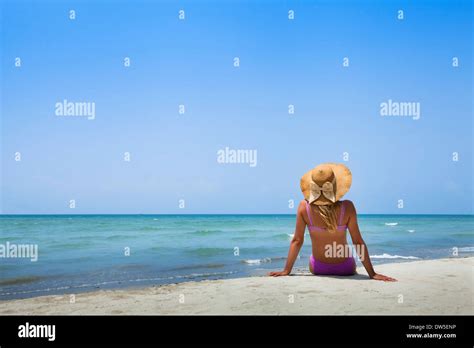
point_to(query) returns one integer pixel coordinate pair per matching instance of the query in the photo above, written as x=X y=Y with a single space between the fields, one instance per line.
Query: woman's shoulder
x=348 y=205
x=302 y=204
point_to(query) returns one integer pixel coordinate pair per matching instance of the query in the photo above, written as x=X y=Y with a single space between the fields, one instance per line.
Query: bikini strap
x=341 y=216
x=309 y=214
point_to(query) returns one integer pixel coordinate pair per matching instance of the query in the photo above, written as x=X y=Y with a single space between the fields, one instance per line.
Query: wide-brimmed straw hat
x=326 y=183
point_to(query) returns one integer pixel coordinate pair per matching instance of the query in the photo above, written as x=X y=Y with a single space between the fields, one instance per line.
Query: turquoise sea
x=88 y=252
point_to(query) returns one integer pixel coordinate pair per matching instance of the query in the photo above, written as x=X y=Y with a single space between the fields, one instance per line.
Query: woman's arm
x=360 y=245
x=296 y=243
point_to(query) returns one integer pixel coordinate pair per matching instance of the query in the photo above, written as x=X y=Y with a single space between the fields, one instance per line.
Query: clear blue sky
x=190 y=62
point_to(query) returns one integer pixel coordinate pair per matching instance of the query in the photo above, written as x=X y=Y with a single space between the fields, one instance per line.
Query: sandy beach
x=442 y=286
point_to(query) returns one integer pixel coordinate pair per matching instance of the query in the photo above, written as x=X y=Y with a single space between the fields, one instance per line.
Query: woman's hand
x=278 y=274
x=383 y=278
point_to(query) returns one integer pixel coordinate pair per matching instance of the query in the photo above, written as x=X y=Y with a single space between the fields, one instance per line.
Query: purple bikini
x=344 y=268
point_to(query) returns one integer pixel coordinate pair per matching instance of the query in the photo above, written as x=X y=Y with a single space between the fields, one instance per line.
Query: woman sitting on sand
x=327 y=219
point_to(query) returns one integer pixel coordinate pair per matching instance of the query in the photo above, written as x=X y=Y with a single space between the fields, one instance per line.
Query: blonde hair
x=328 y=214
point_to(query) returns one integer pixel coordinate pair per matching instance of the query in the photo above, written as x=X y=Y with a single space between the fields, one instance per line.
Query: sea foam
x=257 y=261
x=388 y=256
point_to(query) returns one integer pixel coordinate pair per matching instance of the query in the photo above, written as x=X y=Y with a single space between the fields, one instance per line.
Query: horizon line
x=213 y=214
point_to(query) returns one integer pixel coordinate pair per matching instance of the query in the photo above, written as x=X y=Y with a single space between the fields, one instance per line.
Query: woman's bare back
x=328 y=247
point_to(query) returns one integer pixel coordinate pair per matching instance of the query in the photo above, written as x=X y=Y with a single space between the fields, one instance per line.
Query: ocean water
x=79 y=253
